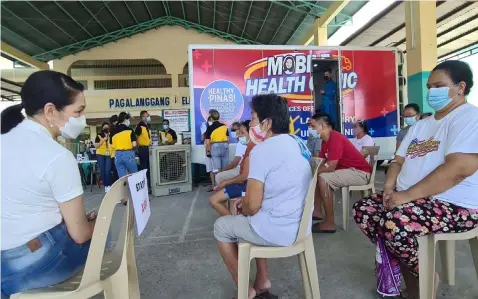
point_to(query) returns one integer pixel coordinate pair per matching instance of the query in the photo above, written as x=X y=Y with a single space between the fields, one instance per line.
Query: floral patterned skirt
x=400 y=227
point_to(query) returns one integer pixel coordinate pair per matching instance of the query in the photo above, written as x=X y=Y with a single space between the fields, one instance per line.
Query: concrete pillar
x=320 y=36
x=421 y=36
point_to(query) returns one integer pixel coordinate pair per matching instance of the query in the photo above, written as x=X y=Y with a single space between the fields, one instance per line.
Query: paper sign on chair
x=138 y=186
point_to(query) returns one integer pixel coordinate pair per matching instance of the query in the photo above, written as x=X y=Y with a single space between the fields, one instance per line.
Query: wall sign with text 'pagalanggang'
x=139 y=102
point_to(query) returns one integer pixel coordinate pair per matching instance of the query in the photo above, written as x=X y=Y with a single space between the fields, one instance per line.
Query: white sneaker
x=107 y=189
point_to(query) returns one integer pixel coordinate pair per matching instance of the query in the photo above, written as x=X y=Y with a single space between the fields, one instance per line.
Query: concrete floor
x=177 y=256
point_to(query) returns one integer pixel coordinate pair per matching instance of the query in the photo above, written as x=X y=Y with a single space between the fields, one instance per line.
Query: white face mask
x=127 y=123
x=73 y=127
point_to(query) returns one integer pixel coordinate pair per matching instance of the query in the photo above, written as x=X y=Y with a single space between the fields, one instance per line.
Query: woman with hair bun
x=45 y=231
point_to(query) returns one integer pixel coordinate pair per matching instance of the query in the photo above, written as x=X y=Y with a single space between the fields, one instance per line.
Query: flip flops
x=316 y=230
x=266 y=295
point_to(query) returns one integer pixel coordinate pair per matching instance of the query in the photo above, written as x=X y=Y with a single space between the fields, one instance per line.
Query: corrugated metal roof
x=457 y=27
x=49 y=30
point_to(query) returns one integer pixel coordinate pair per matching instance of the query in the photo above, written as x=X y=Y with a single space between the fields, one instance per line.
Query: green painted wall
x=417 y=90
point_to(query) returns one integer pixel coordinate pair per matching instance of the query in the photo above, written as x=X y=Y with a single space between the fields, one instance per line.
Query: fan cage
x=172 y=167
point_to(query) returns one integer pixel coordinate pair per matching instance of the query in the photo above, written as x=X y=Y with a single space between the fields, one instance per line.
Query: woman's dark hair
x=458 y=71
x=113 y=119
x=275 y=108
x=123 y=116
x=105 y=124
x=246 y=124
x=363 y=125
x=41 y=88
x=324 y=117
x=287 y=58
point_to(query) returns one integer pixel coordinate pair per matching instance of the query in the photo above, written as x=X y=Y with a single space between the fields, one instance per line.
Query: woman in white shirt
x=45 y=231
x=432 y=184
x=362 y=137
x=274 y=202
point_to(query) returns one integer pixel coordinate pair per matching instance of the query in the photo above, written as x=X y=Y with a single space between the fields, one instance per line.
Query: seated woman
x=233 y=168
x=362 y=137
x=274 y=202
x=233 y=188
x=432 y=183
x=45 y=232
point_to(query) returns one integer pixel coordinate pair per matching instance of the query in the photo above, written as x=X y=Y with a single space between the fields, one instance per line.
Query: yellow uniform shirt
x=169 y=135
x=217 y=132
x=123 y=138
x=144 y=134
x=104 y=149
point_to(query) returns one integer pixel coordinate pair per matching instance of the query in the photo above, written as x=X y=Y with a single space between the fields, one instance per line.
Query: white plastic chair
x=303 y=247
x=370 y=187
x=427 y=253
x=112 y=272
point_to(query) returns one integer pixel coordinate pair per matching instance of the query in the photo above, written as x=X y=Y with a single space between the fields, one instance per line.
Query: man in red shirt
x=343 y=166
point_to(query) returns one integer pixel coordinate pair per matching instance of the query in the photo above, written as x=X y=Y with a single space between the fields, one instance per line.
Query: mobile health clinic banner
x=227 y=79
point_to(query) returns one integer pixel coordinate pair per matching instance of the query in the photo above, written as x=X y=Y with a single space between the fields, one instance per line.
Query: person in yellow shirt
x=124 y=142
x=143 y=133
x=217 y=142
x=103 y=155
x=113 y=125
x=168 y=135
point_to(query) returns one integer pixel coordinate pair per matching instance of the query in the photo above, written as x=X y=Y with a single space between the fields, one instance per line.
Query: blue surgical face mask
x=148 y=119
x=313 y=133
x=438 y=98
x=233 y=135
x=410 y=121
x=243 y=140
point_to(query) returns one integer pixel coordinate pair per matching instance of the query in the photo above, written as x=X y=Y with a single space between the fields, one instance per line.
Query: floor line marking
x=172 y=243
x=188 y=217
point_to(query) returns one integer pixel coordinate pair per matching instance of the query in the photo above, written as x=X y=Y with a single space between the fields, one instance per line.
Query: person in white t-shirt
x=432 y=184
x=362 y=137
x=45 y=231
x=279 y=178
x=232 y=169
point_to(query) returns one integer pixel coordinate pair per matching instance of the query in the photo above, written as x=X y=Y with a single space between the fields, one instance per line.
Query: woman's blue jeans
x=104 y=163
x=58 y=259
x=125 y=162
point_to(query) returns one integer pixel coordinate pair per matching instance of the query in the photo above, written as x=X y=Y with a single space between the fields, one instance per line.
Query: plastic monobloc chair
x=367 y=189
x=427 y=253
x=112 y=272
x=303 y=247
